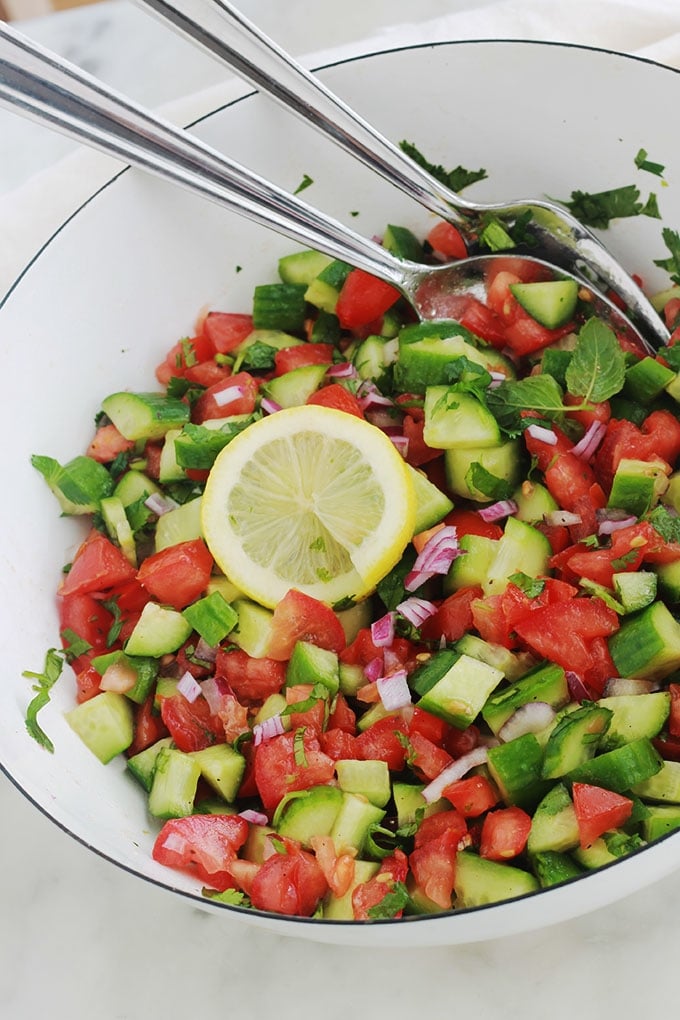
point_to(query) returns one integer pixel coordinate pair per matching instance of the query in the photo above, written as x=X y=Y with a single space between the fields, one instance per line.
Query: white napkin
x=648 y=28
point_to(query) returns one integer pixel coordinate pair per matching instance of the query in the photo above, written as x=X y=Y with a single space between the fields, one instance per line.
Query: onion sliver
x=453 y=772
x=530 y=718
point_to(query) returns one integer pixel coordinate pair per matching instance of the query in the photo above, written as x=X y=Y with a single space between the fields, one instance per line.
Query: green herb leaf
x=531 y=586
x=495 y=237
x=117 y=625
x=597 y=209
x=391 y=589
x=304 y=183
x=597 y=369
x=671 y=239
x=667 y=525
x=234 y=897
x=319 y=692
x=642 y=163
x=491 y=486
x=391 y=904
x=45 y=681
x=456 y=179
x=468 y=376
x=535 y=393
x=258 y=356
x=671 y=355
x=74 y=645
x=299 y=747
x=411 y=752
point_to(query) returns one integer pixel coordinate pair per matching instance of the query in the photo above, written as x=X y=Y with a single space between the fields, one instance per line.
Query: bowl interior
x=126 y=277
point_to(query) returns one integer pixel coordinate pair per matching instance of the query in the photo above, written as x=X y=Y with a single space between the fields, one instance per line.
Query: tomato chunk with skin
x=191 y=724
x=97 y=566
x=252 y=680
x=289 y=358
x=504 y=833
x=179 y=574
x=226 y=330
x=447 y=240
x=472 y=796
x=368 y=896
x=433 y=866
x=237 y=394
x=202 y=844
x=337 y=397
x=281 y=766
x=291 y=882
x=300 y=617
x=598 y=810
x=363 y=298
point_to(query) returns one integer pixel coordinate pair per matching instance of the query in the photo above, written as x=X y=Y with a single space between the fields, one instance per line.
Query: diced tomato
x=484 y=323
x=152 y=456
x=207 y=374
x=191 y=724
x=313 y=719
x=342 y=717
x=338 y=744
x=251 y=680
x=281 y=766
x=385 y=740
x=472 y=796
x=453 y=617
x=86 y=617
x=515 y=604
x=226 y=330
x=504 y=833
x=430 y=726
x=601 y=666
x=545 y=453
x=418 y=452
x=202 y=844
x=562 y=632
x=459 y=742
x=674 y=718
x=337 y=397
x=447 y=240
x=369 y=895
x=108 y=444
x=436 y=825
x=300 y=617
x=489 y=621
x=291 y=882
x=179 y=574
x=363 y=298
x=433 y=866
x=361 y=651
x=469 y=522
x=289 y=358
x=601 y=412
x=149 y=727
x=629 y=548
x=526 y=336
x=97 y=566
x=426 y=758
x=235 y=395
x=598 y=810
x=87 y=682
x=657 y=437
x=668 y=746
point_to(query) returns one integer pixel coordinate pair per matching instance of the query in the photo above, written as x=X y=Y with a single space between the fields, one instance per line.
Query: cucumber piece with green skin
x=662 y=819
x=274 y=339
x=145 y=415
x=133 y=487
x=515 y=768
x=411 y=806
x=610 y=847
x=403 y=243
x=371 y=357
x=637 y=485
x=253 y=631
x=352 y=679
x=647 y=644
x=79 y=485
x=455 y=420
x=664 y=786
x=169 y=470
x=352 y=823
x=182 y=524
x=512 y=665
x=158 y=631
x=431 y=670
x=552 y=303
x=105 y=724
x=271 y=706
x=552 y=868
x=294 y=388
x=222 y=767
x=668 y=581
x=212 y=617
x=620 y=769
x=427 y=350
x=354 y=619
x=522 y=548
x=310 y=664
x=326 y=329
x=142 y=764
x=635 y=589
x=369 y=778
x=459 y=695
x=545 y=683
x=502 y=462
x=646 y=379
x=279 y=306
x=174 y=784
x=554 y=827
x=472 y=568
x=323 y=292
x=431 y=503
x=635 y=716
x=118 y=527
x=575 y=739
x=145 y=668
x=302 y=266
x=339 y=908
x=480 y=881
x=533 y=501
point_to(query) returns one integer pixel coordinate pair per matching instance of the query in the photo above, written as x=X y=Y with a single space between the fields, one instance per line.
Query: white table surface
x=81 y=939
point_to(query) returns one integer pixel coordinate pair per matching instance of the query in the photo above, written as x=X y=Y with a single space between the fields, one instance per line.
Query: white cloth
x=647 y=28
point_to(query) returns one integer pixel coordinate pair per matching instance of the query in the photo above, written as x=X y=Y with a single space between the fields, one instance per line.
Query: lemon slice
x=308 y=498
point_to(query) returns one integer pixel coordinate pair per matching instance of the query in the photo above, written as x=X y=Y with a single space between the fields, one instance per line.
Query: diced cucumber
x=501 y=462
x=352 y=679
x=455 y=420
x=211 y=617
x=294 y=388
x=302 y=266
x=265 y=341
x=323 y=291
x=369 y=778
x=279 y=306
x=598 y=854
x=637 y=485
x=552 y=867
x=339 y=908
x=647 y=644
x=620 y=769
x=353 y=619
x=169 y=469
x=105 y=724
x=427 y=349
x=271 y=706
x=635 y=589
x=521 y=548
x=545 y=683
x=664 y=786
x=662 y=819
x=310 y=664
x=635 y=716
x=550 y=302
x=179 y=525
x=668 y=581
x=133 y=487
x=460 y=694
x=158 y=631
x=145 y=415
x=472 y=568
x=512 y=665
x=554 y=826
x=79 y=485
x=142 y=764
x=174 y=783
x=222 y=767
x=353 y=821
x=646 y=379
x=533 y=501
x=372 y=357
x=431 y=503
x=411 y=806
x=403 y=243
x=144 y=667
x=480 y=881
x=575 y=739
x=258 y=845
x=229 y=592
x=252 y=633
x=515 y=768
x=118 y=527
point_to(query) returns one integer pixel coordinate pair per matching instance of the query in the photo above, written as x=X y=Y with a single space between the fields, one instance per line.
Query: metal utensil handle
x=42 y=85
x=224 y=32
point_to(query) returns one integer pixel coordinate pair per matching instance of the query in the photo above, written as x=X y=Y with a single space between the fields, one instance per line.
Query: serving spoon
x=557 y=236
x=38 y=83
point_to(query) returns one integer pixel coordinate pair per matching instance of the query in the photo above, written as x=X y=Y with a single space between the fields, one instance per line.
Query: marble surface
x=80 y=938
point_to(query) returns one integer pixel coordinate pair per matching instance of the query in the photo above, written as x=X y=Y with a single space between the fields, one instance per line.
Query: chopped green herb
x=531 y=586
x=304 y=183
x=597 y=369
x=45 y=681
x=623 y=562
x=392 y=903
x=456 y=179
x=299 y=747
x=468 y=376
x=667 y=525
x=117 y=625
x=74 y=645
x=671 y=239
x=494 y=488
x=257 y=356
x=599 y=208
x=318 y=693
x=234 y=897
x=535 y=392
x=411 y=752
x=642 y=163
x=495 y=237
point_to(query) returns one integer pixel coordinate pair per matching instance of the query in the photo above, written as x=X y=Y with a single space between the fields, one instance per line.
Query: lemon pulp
x=309 y=498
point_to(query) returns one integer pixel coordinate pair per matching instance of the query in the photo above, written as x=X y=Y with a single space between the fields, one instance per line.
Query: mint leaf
x=535 y=393
x=667 y=525
x=456 y=179
x=491 y=486
x=531 y=586
x=468 y=376
x=391 y=904
x=45 y=681
x=299 y=747
x=642 y=163
x=597 y=369
x=671 y=239
x=74 y=645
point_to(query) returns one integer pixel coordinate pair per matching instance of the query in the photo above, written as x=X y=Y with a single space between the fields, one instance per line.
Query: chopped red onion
x=381 y=417
x=608 y=527
x=497 y=511
x=577 y=689
x=256 y=817
x=269 y=406
x=416 y=610
x=401 y=443
x=268 y=728
x=382 y=631
x=530 y=718
x=542 y=434
x=344 y=370
x=159 y=504
x=625 y=685
x=215 y=689
x=229 y=393
x=453 y=772
x=374 y=668
x=394 y=690
x=562 y=518
x=189 y=686
x=436 y=556
x=204 y=651
x=590 y=440
x=496 y=379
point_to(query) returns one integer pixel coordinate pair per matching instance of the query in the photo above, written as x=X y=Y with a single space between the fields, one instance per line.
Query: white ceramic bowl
x=123 y=279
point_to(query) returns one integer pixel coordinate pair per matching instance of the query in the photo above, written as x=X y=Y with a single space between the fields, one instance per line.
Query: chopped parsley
x=642 y=163
x=392 y=903
x=456 y=179
x=599 y=208
x=671 y=239
x=304 y=183
x=531 y=586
